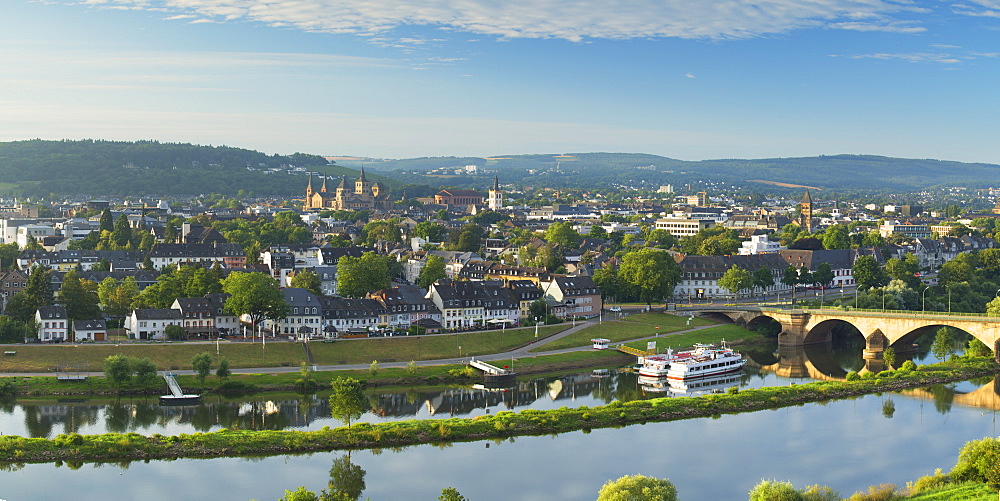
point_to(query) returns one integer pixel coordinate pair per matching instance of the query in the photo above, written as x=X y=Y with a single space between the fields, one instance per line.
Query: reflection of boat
x=704 y=360
x=710 y=384
x=692 y=386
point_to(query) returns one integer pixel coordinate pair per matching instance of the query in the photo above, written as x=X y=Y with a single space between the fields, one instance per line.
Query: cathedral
x=365 y=195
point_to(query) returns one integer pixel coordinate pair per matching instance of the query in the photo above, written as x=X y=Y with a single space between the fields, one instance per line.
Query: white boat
x=704 y=360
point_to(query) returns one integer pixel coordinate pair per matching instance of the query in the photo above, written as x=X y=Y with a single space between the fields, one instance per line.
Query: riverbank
x=502 y=425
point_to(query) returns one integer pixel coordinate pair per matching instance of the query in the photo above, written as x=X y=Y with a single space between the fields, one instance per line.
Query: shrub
x=978 y=461
x=820 y=493
x=881 y=492
x=929 y=482
x=7 y=389
x=909 y=366
x=772 y=490
x=853 y=376
x=642 y=487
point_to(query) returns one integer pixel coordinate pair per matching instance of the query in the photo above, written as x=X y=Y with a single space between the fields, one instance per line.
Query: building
x=92 y=330
x=907 y=230
x=680 y=227
x=806 y=212
x=495 y=195
x=759 y=244
x=53 y=324
x=152 y=323
x=579 y=296
x=365 y=195
x=458 y=197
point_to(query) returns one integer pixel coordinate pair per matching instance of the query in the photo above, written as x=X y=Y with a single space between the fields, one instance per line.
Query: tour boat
x=704 y=360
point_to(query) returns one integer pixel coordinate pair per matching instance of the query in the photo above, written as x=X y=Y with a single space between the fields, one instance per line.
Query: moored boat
x=703 y=361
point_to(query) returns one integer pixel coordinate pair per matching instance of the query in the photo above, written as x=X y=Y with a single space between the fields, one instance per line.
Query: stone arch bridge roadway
x=881 y=329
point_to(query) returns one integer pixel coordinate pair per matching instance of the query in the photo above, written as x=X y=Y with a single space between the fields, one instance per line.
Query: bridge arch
x=823 y=331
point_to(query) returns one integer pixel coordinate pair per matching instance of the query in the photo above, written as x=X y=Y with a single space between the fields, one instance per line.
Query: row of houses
x=448 y=304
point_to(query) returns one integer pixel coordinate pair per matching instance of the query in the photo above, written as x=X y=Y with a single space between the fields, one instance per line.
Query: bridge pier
x=875 y=345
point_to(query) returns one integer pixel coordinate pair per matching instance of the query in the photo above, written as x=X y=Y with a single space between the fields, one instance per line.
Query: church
x=365 y=195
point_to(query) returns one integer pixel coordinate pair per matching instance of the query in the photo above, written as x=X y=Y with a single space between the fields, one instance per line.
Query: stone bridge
x=881 y=329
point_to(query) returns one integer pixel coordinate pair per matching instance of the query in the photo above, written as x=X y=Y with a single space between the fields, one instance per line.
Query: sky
x=686 y=79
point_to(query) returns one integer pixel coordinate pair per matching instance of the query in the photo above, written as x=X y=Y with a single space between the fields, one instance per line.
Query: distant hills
x=114 y=168
x=593 y=170
x=117 y=168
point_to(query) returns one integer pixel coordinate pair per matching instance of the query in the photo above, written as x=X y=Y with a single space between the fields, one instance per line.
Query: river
x=848 y=445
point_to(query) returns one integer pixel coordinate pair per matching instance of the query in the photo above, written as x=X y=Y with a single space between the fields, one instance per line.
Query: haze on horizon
x=408 y=78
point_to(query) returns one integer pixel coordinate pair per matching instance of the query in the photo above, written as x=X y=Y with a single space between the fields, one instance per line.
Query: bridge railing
x=851 y=309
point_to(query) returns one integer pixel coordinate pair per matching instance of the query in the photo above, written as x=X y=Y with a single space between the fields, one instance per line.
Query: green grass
x=635 y=326
x=39 y=358
x=712 y=335
x=406 y=348
x=960 y=492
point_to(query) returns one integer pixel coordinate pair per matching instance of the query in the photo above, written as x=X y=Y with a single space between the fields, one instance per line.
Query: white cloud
x=690 y=75
x=577 y=20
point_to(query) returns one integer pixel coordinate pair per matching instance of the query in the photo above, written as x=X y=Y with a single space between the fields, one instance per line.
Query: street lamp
x=923 y=293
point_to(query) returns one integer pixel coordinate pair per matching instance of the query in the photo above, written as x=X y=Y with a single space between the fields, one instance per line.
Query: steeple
x=309 y=187
x=343 y=184
x=362 y=178
x=323 y=188
x=496 y=183
x=807 y=199
x=806 y=212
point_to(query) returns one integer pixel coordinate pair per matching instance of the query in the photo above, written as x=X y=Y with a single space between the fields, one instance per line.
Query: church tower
x=495 y=197
x=323 y=188
x=806 y=212
x=362 y=185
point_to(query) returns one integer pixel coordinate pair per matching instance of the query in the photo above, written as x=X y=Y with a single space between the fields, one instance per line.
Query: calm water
x=846 y=444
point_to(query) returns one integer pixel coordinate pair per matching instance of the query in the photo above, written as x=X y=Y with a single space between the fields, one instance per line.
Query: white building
x=759 y=244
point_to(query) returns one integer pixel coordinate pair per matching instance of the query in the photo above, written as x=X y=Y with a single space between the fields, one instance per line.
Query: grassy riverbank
x=632 y=327
x=116 y=447
x=177 y=356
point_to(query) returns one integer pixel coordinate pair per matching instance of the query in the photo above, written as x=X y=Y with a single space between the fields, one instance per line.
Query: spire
x=807 y=199
x=343 y=183
x=362 y=178
x=496 y=183
x=323 y=188
x=309 y=187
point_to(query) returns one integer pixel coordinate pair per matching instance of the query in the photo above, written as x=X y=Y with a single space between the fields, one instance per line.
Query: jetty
x=177 y=395
x=492 y=373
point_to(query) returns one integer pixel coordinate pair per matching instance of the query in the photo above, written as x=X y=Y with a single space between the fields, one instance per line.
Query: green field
x=406 y=348
x=45 y=358
x=635 y=326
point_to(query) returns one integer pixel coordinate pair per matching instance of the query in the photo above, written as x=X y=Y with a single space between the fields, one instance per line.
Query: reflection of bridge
x=880 y=329
x=984 y=397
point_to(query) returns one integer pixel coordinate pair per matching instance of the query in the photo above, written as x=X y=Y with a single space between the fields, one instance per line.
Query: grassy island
x=132 y=446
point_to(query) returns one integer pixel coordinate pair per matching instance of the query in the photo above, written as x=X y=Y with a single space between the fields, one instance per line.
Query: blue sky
x=687 y=79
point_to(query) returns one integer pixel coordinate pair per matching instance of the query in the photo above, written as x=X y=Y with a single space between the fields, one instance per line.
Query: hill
x=92 y=167
x=593 y=170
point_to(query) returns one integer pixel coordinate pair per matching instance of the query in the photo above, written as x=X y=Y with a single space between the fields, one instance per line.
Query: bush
x=852 y=376
x=978 y=461
x=641 y=487
x=772 y=490
x=7 y=389
x=881 y=492
x=929 y=482
x=820 y=493
x=909 y=366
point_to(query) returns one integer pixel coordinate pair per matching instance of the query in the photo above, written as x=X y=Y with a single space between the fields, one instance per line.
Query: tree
x=121 y=236
x=202 y=365
x=789 y=278
x=107 y=221
x=433 y=270
x=357 y=276
x=118 y=370
x=636 y=488
x=451 y=494
x=768 y=490
x=223 y=371
x=347 y=401
x=373 y=368
x=308 y=280
x=736 y=279
x=954 y=271
x=80 y=302
x=306 y=383
x=562 y=233
x=763 y=278
x=255 y=295
x=175 y=332
x=300 y=494
x=889 y=357
x=430 y=231
x=654 y=274
x=904 y=269
x=837 y=236
x=823 y=274
x=943 y=346
x=867 y=273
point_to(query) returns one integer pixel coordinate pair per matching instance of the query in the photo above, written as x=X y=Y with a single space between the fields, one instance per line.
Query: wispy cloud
x=943 y=55
x=576 y=21
x=978 y=8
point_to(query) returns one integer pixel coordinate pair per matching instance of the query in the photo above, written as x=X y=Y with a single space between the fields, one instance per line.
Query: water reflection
x=766 y=366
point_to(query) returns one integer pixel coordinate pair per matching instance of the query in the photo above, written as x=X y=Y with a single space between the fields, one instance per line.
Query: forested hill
x=593 y=170
x=92 y=167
